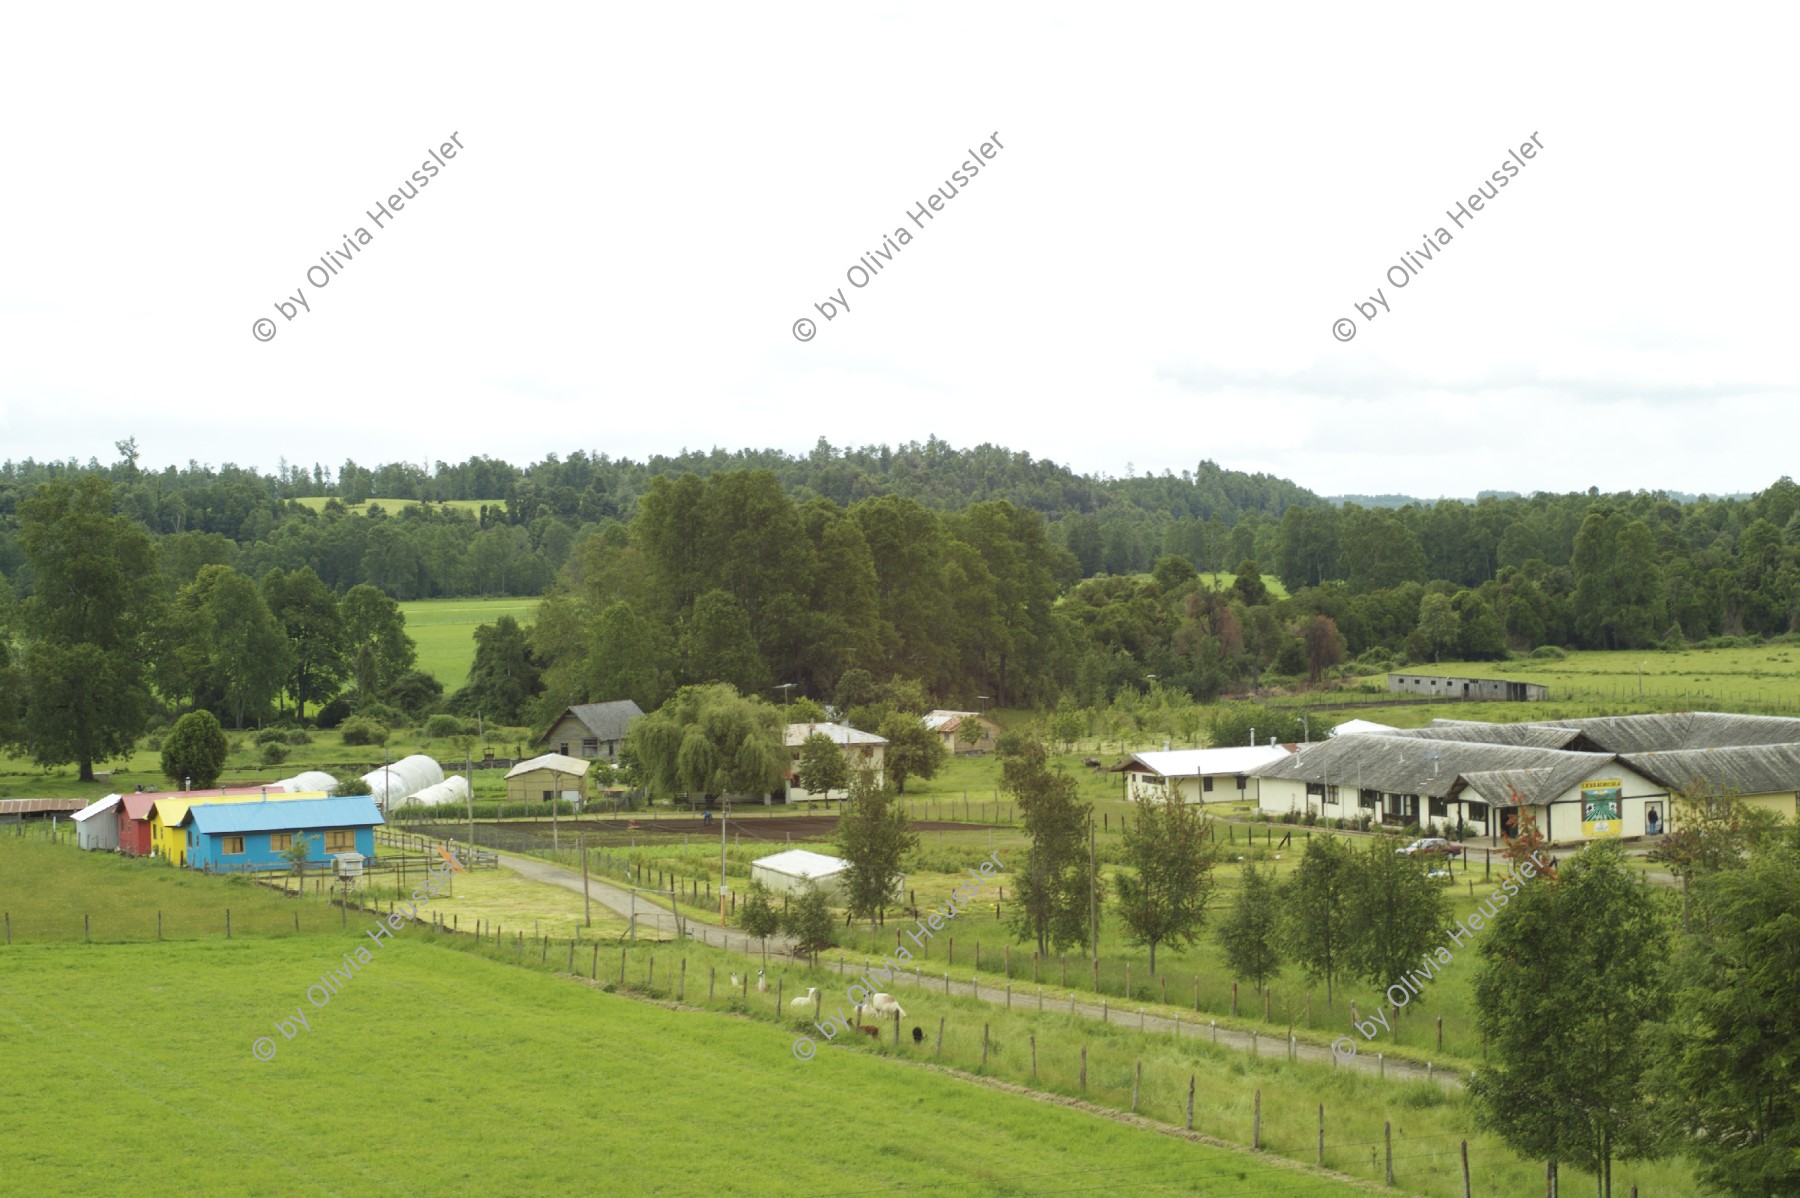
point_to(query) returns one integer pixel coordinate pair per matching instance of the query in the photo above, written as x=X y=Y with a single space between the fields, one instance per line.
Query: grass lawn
x=392 y=506
x=444 y=630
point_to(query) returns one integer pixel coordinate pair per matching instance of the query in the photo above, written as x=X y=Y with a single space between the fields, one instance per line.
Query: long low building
x=1199 y=775
x=1579 y=780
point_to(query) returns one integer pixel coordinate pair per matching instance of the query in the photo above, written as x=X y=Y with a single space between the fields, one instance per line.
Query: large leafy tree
x=87 y=626
x=248 y=653
x=821 y=768
x=913 y=750
x=1053 y=890
x=1315 y=924
x=1395 y=914
x=1571 y=980
x=194 y=751
x=875 y=838
x=1164 y=896
x=308 y=613
x=375 y=627
x=715 y=645
x=504 y=677
x=1250 y=934
x=709 y=740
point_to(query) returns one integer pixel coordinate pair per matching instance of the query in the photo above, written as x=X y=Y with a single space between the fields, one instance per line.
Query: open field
x=444 y=630
x=391 y=506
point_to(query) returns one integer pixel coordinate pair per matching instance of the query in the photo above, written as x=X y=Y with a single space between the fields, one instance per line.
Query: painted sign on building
x=1600 y=808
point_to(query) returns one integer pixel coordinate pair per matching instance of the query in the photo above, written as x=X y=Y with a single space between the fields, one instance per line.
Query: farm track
x=774 y=829
x=1273 y=1045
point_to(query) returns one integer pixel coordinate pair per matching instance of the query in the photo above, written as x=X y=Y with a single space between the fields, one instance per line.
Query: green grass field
x=391 y=506
x=444 y=630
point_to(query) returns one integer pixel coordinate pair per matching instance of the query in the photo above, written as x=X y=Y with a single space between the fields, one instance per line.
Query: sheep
x=737 y=983
x=807 y=999
x=762 y=983
x=884 y=1005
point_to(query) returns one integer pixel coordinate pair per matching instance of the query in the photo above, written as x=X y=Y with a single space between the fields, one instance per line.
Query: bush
x=350 y=784
x=359 y=730
x=441 y=725
x=298 y=736
x=270 y=736
x=273 y=752
x=383 y=714
x=1548 y=652
x=195 y=751
x=333 y=713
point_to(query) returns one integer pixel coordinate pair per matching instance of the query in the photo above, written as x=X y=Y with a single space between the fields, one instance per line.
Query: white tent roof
x=454 y=789
x=1192 y=763
x=404 y=777
x=802 y=863
x=96 y=807
x=551 y=761
x=308 y=780
x=1356 y=727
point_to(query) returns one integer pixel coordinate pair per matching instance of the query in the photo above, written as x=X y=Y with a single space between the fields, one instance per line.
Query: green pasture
x=392 y=506
x=444 y=630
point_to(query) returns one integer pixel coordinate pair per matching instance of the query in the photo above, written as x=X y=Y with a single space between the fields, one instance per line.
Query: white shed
x=309 y=780
x=389 y=784
x=788 y=872
x=102 y=833
x=454 y=789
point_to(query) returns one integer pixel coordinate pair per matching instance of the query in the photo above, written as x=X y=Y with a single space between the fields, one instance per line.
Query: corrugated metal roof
x=137 y=806
x=1534 y=736
x=1686 y=730
x=96 y=807
x=1742 y=769
x=351 y=811
x=40 y=806
x=802 y=863
x=1408 y=765
x=551 y=761
x=795 y=735
x=1193 y=763
x=174 y=810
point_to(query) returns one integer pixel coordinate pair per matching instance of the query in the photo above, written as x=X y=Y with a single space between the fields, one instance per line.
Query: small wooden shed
x=551 y=776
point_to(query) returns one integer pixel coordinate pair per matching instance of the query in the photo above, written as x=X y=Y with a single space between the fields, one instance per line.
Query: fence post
x=984 y=1041
x=228 y=923
x=87 y=934
x=1256 y=1125
x=1137 y=1080
x=1034 y=1057
x=621 y=965
x=1322 y=1136
x=594 y=966
x=1190 y=1106
x=681 y=989
x=1387 y=1138
x=939 y=1050
x=1465 y=1165
x=1084 y=1066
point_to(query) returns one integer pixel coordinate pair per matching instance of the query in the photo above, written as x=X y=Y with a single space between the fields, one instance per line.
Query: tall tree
x=875 y=838
x=1053 y=890
x=95 y=599
x=248 y=653
x=1250 y=934
x=1395 y=914
x=821 y=768
x=1570 y=982
x=913 y=750
x=1163 y=900
x=306 y=611
x=504 y=677
x=193 y=754
x=707 y=740
x=1315 y=927
x=715 y=645
x=372 y=619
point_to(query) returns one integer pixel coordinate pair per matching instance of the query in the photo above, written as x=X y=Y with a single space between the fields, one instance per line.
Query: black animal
x=918 y=1035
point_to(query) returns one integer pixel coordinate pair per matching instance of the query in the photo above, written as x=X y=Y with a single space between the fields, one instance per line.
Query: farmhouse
x=592 y=730
x=1579 y=780
x=862 y=751
x=1505 y=690
x=168 y=841
x=256 y=835
x=134 y=814
x=551 y=776
x=951 y=726
x=1199 y=775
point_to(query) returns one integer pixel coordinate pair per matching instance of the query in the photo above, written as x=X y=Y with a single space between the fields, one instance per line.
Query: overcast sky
x=1145 y=275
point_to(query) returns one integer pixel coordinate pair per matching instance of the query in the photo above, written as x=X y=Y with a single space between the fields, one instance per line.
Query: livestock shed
x=592 y=730
x=547 y=777
x=788 y=872
x=1199 y=775
x=308 y=780
x=97 y=824
x=454 y=789
x=19 y=810
x=257 y=835
x=862 y=751
x=390 y=784
x=1437 y=686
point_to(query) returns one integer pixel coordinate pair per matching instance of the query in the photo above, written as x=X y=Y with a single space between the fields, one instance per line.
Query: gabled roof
x=173 y=810
x=554 y=762
x=95 y=808
x=1743 y=769
x=803 y=863
x=1434 y=768
x=351 y=811
x=1534 y=736
x=1685 y=730
x=137 y=806
x=1359 y=726
x=1194 y=763
x=843 y=734
x=607 y=721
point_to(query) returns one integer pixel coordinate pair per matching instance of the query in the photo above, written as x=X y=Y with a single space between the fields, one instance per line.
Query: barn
x=97 y=824
x=256 y=835
x=550 y=776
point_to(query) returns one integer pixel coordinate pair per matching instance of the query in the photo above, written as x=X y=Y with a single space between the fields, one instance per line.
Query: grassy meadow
x=444 y=630
x=392 y=506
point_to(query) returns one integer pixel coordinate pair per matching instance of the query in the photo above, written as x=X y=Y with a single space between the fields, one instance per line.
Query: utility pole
x=586 y=902
x=1093 y=893
x=469 y=777
x=724 y=889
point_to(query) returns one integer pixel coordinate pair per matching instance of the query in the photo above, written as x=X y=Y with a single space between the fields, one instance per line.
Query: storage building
x=97 y=824
x=546 y=777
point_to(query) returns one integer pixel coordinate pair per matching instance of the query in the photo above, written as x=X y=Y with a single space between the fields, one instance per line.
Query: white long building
x=1200 y=775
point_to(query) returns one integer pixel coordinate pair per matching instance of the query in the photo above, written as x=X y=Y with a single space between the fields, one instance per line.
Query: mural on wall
x=1600 y=808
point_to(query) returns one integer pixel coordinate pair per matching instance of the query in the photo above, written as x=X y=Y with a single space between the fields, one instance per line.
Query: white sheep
x=737 y=983
x=762 y=983
x=807 y=999
x=885 y=1006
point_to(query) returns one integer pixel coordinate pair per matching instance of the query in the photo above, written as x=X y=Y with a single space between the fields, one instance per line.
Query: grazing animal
x=762 y=983
x=873 y=1033
x=737 y=982
x=805 y=1000
x=918 y=1035
x=885 y=1006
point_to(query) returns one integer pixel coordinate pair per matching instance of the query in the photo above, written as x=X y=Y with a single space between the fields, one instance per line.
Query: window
x=1439 y=807
x=340 y=840
x=1315 y=790
x=1366 y=800
x=868 y=751
x=1478 y=811
x=563 y=748
x=1240 y=779
x=590 y=747
x=234 y=845
x=1205 y=783
x=1331 y=795
x=280 y=842
x=549 y=795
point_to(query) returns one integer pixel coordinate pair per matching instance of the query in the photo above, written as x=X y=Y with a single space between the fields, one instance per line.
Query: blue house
x=256 y=834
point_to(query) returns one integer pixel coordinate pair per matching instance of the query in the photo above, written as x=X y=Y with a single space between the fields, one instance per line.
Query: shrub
x=359 y=730
x=442 y=724
x=195 y=750
x=350 y=784
x=270 y=736
x=333 y=713
x=383 y=714
x=1548 y=652
x=298 y=736
x=273 y=752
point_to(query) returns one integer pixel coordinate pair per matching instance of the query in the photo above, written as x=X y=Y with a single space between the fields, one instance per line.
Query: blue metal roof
x=350 y=811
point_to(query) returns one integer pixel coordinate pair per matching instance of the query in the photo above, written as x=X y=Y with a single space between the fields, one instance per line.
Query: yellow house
x=168 y=840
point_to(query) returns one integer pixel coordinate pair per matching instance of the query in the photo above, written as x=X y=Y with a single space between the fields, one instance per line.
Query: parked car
x=1431 y=846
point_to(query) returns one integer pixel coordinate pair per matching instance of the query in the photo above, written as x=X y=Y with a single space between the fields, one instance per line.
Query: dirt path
x=1273 y=1045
